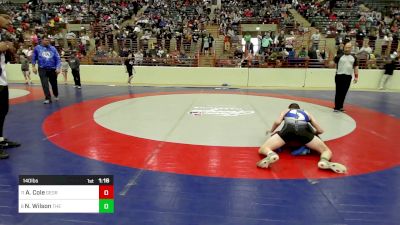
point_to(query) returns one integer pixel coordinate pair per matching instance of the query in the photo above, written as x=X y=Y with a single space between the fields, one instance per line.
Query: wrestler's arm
x=278 y=121
x=315 y=124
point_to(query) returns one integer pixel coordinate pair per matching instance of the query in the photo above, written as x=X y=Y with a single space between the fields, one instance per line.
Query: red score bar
x=106 y=192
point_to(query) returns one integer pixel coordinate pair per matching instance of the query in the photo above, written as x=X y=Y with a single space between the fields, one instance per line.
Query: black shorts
x=130 y=72
x=301 y=135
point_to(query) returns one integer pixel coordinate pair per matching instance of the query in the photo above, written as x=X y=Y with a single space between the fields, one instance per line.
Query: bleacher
x=383 y=6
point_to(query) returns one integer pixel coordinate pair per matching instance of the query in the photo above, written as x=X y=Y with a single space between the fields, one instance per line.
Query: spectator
x=290 y=41
x=302 y=53
x=227 y=43
x=75 y=64
x=138 y=57
x=279 y=40
x=265 y=43
x=360 y=38
x=312 y=54
x=85 y=40
x=238 y=54
x=387 y=39
x=363 y=54
x=64 y=69
x=211 y=42
x=206 y=45
x=372 y=36
x=25 y=69
x=371 y=63
x=247 y=40
x=315 y=39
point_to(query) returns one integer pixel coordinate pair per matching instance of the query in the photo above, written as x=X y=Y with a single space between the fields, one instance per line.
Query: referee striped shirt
x=345 y=64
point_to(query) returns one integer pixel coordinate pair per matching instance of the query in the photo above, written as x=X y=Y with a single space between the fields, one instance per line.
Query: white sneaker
x=271 y=158
x=56 y=99
x=335 y=167
x=46 y=101
x=79 y=87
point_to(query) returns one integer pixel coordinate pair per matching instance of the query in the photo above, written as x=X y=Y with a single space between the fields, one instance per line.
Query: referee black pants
x=3 y=106
x=342 y=82
x=46 y=76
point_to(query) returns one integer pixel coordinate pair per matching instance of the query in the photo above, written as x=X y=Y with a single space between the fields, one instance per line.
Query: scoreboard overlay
x=66 y=194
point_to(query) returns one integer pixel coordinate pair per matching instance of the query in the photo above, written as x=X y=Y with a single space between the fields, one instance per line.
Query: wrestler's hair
x=294 y=106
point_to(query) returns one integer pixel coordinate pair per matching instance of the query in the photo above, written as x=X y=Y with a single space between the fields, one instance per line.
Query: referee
x=346 y=66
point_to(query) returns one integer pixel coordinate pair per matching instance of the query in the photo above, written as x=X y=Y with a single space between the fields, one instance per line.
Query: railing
x=174 y=61
x=296 y=63
x=259 y=62
x=128 y=43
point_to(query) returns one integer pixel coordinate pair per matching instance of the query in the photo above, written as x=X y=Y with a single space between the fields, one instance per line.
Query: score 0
x=106 y=199
x=106 y=191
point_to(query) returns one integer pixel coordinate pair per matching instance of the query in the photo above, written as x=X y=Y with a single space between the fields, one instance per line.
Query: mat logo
x=219 y=111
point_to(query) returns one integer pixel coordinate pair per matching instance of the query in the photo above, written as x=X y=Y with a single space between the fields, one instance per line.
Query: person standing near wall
x=25 y=69
x=4 y=94
x=64 y=69
x=315 y=39
x=75 y=64
x=346 y=66
x=390 y=66
x=129 y=61
x=49 y=63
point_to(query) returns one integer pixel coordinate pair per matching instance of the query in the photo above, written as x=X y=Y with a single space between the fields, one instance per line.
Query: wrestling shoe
x=3 y=154
x=8 y=144
x=335 y=167
x=271 y=158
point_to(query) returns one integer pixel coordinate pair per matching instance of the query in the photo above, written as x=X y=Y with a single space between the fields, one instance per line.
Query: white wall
x=212 y=76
